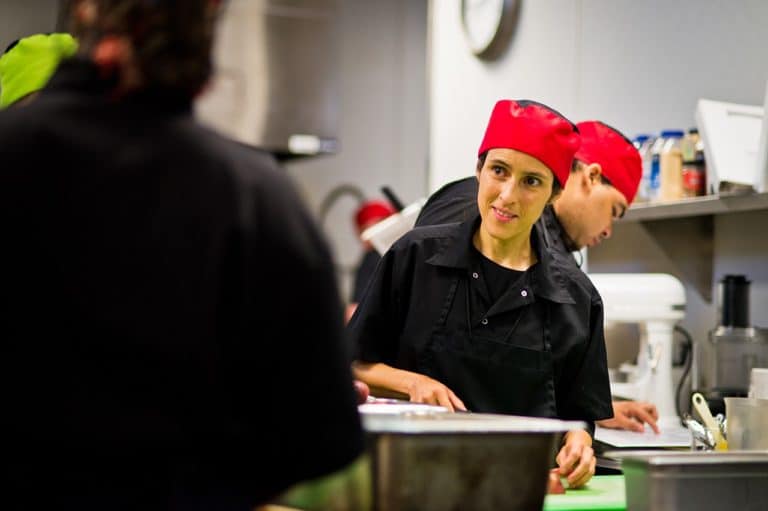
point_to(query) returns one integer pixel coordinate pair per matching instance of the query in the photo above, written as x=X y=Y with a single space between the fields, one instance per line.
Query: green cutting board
x=603 y=493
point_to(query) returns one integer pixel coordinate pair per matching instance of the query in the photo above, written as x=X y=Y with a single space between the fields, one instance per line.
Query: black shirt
x=453 y=202
x=171 y=330
x=364 y=272
x=426 y=300
x=497 y=278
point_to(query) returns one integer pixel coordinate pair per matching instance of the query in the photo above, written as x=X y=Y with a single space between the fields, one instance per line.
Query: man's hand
x=576 y=458
x=423 y=389
x=631 y=415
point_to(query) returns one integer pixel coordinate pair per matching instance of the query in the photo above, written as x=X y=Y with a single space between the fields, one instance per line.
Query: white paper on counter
x=670 y=436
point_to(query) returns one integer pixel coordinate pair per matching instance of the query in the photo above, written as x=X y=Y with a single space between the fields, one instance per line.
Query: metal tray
x=444 y=461
x=695 y=481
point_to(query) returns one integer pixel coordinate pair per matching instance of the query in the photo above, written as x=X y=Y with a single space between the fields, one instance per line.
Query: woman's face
x=513 y=190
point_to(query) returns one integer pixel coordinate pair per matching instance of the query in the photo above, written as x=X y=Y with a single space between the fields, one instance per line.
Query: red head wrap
x=536 y=130
x=618 y=158
x=370 y=211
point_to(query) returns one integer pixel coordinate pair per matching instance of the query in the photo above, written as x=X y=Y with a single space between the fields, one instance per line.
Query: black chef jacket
x=538 y=350
x=453 y=202
x=364 y=272
x=169 y=322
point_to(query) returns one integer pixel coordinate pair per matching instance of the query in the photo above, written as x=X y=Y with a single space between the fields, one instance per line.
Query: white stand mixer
x=657 y=302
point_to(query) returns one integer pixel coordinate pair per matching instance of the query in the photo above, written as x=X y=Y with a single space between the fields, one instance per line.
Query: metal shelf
x=684 y=229
x=697 y=206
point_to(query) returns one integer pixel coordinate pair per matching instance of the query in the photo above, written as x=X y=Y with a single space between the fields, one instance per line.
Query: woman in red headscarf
x=481 y=315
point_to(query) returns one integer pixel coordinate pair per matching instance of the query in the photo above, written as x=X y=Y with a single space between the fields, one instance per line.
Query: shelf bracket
x=689 y=243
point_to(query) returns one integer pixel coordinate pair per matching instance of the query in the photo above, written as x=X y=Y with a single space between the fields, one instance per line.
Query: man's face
x=588 y=207
x=513 y=190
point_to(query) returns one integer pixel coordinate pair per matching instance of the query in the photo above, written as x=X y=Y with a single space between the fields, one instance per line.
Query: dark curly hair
x=171 y=38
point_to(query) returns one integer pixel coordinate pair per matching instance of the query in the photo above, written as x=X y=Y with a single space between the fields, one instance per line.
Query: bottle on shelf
x=643 y=144
x=671 y=166
x=694 y=168
x=654 y=178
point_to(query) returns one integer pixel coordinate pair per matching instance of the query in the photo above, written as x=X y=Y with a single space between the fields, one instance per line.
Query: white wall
x=637 y=65
x=383 y=135
x=20 y=18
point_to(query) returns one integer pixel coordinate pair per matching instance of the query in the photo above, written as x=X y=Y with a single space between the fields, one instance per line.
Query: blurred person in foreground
x=28 y=63
x=601 y=187
x=153 y=356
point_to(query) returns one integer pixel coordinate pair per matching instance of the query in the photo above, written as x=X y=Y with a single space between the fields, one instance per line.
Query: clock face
x=488 y=24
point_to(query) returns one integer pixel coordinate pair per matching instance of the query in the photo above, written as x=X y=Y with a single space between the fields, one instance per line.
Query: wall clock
x=489 y=25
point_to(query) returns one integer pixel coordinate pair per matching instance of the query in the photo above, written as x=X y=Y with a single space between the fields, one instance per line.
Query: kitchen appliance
x=430 y=461
x=731 y=133
x=276 y=76
x=656 y=302
x=695 y=480
x=758 y=383
x=723 y=363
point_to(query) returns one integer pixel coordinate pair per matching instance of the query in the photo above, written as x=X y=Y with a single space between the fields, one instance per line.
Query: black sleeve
x=589 y=395
x=374 y=329
x=364 y=273
x=294 y=373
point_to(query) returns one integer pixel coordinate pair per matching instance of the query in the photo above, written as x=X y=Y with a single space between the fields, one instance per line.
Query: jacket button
x=475 y=275
x=484 y=321
x=523 y=293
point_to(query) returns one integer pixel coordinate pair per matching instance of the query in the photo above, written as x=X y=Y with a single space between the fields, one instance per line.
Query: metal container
x=443 y=461
x=695 y=481
x=747 y=426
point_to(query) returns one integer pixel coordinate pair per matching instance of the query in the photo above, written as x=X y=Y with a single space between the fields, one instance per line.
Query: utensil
x=700 y=404
x=699 y=433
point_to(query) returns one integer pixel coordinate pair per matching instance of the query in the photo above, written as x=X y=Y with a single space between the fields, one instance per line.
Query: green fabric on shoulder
x=27 y=66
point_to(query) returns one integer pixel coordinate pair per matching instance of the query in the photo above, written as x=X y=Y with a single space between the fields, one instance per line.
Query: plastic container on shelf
x=671 y=166
x=643 y=144
x=654 y=177
x=694 y=167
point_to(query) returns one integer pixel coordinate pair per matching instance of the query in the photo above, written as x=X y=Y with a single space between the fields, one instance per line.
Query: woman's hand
x=631 y=415
x=576 y=458
x=423 y=389
x=554 y=485
x=362 y=391
x=419 y=388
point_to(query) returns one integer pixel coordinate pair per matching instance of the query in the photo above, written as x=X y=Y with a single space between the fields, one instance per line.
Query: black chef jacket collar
x=555 y=233
x=81 y=76
x=548 y=275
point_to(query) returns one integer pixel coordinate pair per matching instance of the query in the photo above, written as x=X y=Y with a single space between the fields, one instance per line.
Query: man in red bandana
x=603 y=182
